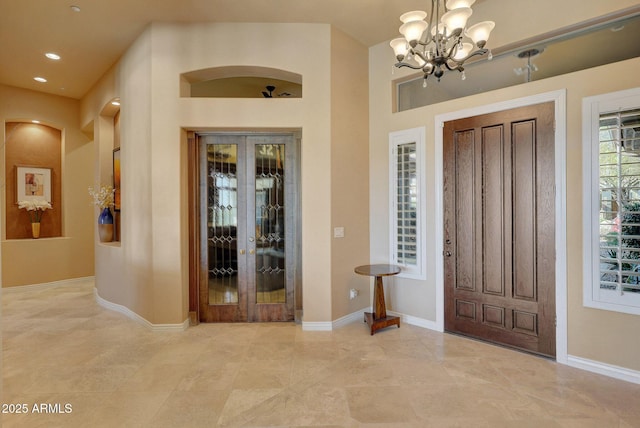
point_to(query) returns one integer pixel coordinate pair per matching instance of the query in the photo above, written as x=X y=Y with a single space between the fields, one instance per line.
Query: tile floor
x=60 y=347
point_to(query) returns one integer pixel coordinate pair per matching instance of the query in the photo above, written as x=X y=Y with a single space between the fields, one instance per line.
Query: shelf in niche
x=52 y=238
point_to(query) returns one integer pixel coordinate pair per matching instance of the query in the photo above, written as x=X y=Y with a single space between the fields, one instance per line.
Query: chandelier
x=438 y=45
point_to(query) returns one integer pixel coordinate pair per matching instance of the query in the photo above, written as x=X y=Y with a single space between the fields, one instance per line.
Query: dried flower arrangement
x=102 y=197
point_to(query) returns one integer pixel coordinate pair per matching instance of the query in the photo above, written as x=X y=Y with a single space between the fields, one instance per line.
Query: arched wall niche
x=109 y=155
x=241 y=82
x=33 y=147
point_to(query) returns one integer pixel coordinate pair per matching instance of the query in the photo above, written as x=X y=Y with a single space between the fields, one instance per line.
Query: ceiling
x=92 y=40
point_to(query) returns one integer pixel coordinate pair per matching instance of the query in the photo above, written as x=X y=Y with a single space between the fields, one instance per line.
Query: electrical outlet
x=353 y=293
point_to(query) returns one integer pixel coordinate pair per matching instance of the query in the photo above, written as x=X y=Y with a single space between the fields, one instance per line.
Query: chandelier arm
x=417 y=67
x=444 y=40
x=421 y=55
x=472 y=54
x=458 y=64
x=405 y=64
x=430 y=72
x=453 y=46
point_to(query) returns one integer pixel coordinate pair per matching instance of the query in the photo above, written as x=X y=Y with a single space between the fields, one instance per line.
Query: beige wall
x=148 y=271
x=124 y=272
x=520 y=20
x=349 y=173
x=70 y=256
x=597 y=335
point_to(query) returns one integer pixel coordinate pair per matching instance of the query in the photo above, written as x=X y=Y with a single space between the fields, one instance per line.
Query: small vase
x=105 y=225
x=35 y=230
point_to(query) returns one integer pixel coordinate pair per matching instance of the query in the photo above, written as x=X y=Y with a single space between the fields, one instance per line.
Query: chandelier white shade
x=415 y=15
x=439 y=44
x=479 y=33
x=455 y=4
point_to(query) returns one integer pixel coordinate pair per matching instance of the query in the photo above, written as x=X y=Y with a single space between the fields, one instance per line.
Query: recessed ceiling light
x=75 y=8
x=40 y=79
x=115 y=102
x=53 y=56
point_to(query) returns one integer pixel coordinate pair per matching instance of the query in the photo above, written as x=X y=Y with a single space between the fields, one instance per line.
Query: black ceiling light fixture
x=269 y=94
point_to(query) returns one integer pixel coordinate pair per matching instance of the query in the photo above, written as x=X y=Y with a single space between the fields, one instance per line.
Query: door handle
x=252 y=252
x=242 y=252
x=251 y=239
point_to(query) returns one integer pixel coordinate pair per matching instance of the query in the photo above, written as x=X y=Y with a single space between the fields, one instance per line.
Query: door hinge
x=555 y=321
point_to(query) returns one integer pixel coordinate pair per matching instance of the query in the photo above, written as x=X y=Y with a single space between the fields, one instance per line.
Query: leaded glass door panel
x=247 y=242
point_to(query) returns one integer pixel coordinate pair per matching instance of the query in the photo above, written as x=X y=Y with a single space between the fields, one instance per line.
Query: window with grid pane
x=406 y=184
x=613 y=128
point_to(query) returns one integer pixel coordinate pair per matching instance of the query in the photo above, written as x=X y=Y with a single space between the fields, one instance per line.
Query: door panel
x=246 y=267
x=499 y=228
x=272 y=235
x=269 y=224
x=222 y=201
x=492 y=228
x=223 y=198
x=465 y=213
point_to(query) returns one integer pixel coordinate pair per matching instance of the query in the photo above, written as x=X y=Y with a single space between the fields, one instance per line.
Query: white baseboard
x=358 y=316
x=331 y=325
x=348 y=319
x=31 y=287
x=132 y=315
x=616 y=372
x=317 y=326
x=418 y=322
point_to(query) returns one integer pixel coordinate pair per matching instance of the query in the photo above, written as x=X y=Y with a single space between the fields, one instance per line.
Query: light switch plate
x=338 y=232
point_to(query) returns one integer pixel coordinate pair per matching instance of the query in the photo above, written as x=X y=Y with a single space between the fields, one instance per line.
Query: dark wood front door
x=499 y=228
x=246 y=228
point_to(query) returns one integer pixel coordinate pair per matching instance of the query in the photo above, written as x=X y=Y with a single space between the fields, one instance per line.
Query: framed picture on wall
x=33 y=183
x=116 y=179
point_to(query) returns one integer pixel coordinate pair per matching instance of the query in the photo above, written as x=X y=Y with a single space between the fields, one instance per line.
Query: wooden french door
x=246 y=212
x=499 y=228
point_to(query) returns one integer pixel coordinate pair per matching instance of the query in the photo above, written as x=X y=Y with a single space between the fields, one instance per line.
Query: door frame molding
x=193 y=196
x=559 y=99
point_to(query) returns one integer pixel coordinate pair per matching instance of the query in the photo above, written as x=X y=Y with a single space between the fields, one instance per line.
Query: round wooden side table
x=379 y=319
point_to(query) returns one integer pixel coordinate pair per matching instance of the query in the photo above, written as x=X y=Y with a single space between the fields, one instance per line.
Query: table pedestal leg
x=378 y=297
x=379 y=318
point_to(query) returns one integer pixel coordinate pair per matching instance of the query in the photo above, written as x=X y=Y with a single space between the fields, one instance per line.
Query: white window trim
x=592 y=108
x=413 y=135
